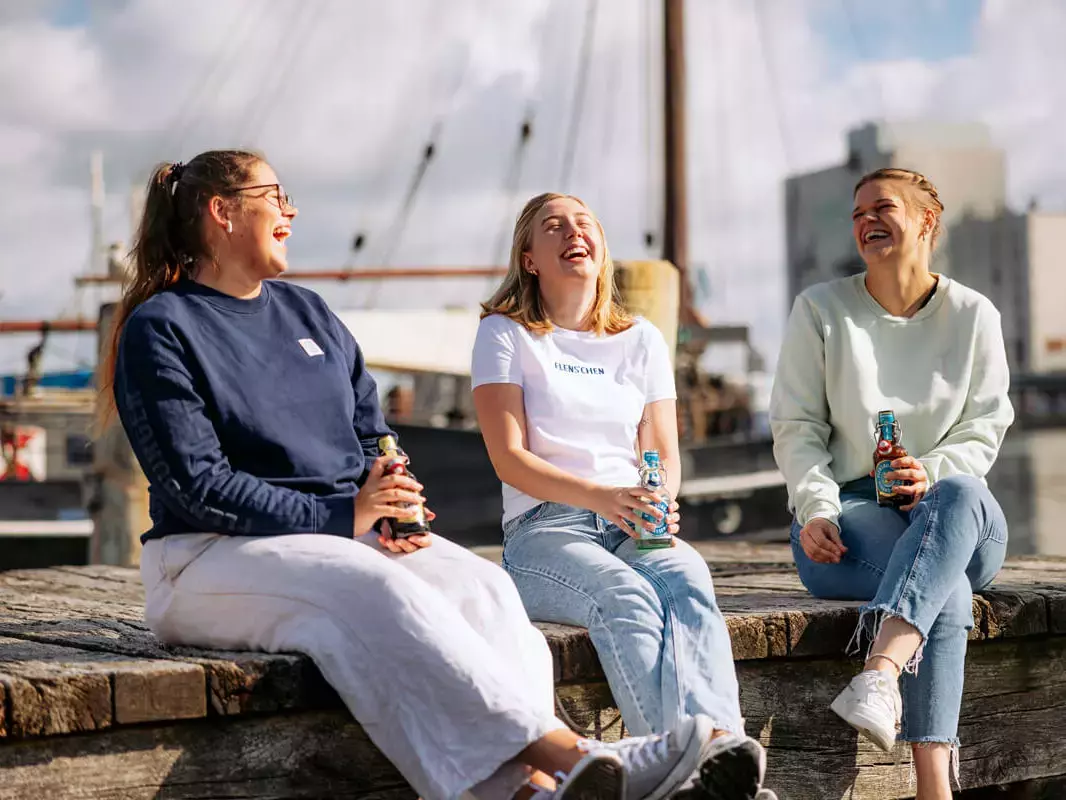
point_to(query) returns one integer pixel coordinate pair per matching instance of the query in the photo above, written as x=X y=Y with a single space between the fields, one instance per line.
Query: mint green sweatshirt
x=844 y=358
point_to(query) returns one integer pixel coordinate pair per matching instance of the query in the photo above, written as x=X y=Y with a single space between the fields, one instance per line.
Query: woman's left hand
x=909 y=469
x=407 y=545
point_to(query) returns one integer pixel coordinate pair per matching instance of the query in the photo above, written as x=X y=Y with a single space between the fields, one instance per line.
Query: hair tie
x=175 y=174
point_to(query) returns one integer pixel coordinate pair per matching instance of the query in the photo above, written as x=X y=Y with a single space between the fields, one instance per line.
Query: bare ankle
x=883 y=663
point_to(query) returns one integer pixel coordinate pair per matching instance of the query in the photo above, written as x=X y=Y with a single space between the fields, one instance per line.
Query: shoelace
x=655 y=751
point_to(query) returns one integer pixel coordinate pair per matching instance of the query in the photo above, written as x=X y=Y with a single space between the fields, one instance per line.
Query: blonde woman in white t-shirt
x=902 y=338
x=567 y=387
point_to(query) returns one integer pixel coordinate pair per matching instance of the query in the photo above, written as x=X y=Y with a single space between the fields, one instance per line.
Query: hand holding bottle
x=381 y=495
x=408 y=544
x=908 y=468
x=623 y=505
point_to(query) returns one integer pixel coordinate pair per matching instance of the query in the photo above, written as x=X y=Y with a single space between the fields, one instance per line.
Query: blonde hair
x=518 y=297
x=918 y=187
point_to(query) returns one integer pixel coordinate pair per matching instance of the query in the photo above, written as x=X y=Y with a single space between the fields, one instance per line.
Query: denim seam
x=952 y=740
x=671 y=605
x=596 y=610
x=934 y=513
x=862 y=562
x=671 y=608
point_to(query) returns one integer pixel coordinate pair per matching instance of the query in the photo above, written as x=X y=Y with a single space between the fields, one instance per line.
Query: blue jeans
x=922 y=566
x=651 y=614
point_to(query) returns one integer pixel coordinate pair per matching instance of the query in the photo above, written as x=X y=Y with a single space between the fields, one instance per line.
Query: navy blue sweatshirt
x=249 y=417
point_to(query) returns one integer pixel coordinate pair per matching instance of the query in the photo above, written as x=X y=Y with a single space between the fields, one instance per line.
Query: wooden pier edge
x=91 y=705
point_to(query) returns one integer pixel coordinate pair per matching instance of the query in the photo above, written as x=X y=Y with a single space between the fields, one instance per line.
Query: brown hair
x=518 y=297
x=918 y=187
x=169 y=241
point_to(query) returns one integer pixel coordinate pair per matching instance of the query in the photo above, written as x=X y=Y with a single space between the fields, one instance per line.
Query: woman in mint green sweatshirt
x=930 y=349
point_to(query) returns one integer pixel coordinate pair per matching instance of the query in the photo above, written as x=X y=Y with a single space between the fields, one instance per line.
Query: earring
x=229 y=226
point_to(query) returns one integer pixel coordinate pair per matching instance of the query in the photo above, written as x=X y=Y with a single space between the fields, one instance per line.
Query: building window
x=79 y=450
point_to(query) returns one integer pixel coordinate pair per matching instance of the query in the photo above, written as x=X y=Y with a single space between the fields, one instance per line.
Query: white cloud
x=343 y=95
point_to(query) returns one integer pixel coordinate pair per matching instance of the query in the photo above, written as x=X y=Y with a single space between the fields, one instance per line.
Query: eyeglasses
x=281 y=198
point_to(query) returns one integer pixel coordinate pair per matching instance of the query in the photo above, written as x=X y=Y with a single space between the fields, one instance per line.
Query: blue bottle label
x=884 y=486
x=660 y=531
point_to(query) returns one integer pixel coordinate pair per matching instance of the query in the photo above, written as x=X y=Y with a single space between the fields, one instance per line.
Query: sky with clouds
x=342 y=96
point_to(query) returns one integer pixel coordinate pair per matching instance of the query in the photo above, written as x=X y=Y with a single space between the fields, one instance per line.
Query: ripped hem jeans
x=923 y=567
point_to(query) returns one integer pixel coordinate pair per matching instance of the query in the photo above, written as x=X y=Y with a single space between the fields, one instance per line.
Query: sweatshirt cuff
x=336 y=515
x=824 y=511
x=931 y=463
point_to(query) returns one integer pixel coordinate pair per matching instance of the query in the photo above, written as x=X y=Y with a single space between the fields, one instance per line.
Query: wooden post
x=675 y=223
x=652 y=289
x=120 y=490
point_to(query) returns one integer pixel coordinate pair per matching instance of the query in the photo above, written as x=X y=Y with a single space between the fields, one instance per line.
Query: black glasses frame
x=284 y=200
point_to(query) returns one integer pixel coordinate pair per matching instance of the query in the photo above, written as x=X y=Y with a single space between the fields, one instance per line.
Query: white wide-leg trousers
x=431 y=651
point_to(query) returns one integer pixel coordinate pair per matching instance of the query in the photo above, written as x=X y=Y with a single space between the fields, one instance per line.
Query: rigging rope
x=377 y=187
x=270 y=97
x=511 y=183
x=231 y=49
x=650 y=112
x=776 y=99
x=578 y=103
x=612 y=86
x=860 y=52
x=429 y=151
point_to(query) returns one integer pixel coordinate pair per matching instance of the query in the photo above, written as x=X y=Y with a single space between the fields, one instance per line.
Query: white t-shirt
x=584 y=395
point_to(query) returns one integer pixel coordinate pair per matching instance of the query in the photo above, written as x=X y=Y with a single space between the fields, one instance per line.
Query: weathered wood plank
x=305 y=755
x=1014 y=702
x=769 y=615
x=54 y=690
x=1014 y=710
x=237 y=682
x=1037 y=789
x=101 y=582
x=589 y=707
x=75 y=655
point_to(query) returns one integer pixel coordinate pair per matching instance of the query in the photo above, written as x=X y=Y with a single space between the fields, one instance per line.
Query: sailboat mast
x=675 y=222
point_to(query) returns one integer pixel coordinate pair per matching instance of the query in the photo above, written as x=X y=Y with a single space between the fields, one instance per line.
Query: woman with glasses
x=251 y=411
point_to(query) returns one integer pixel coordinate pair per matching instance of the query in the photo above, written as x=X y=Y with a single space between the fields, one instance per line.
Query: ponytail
x=167 y=244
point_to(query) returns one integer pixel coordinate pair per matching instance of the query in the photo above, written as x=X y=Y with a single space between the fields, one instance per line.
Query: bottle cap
x=651 y=458
x=387 y=443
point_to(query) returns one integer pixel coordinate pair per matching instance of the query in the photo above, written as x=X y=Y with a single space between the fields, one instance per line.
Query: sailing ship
x=732 y=485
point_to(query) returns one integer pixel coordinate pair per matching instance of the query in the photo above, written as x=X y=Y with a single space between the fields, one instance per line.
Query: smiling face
x=885 y=225
x=262 y=223
x=566 y=243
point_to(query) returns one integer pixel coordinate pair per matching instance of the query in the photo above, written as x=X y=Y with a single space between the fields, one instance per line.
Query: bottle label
x=884 y=486
x=412 y=513
x=661 y=530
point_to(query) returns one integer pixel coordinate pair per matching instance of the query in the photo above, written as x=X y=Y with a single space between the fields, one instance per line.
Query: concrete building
x=1014 y=259
x=1019 y=262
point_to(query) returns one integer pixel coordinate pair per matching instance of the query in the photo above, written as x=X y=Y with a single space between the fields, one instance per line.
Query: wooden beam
x=49 y=325
x=360 y=274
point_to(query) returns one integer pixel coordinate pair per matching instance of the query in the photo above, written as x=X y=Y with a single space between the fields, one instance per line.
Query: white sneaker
x=871 y=705
x=598 y=776
x=660 y=766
